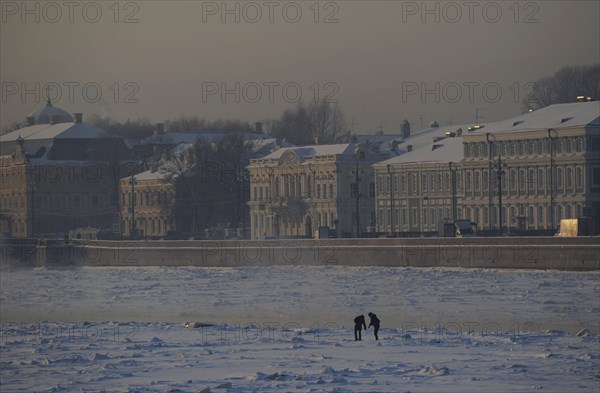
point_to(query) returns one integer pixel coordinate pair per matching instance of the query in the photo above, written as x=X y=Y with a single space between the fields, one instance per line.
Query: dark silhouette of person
x=375 y=323
x=359 y=322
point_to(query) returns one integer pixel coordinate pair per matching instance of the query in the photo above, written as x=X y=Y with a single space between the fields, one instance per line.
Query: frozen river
x=290 y=329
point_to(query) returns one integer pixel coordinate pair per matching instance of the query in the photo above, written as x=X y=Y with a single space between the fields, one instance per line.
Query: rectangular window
x=372 y=190
x=353 y=190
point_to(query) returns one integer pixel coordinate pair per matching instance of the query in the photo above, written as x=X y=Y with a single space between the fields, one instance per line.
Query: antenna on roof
x=48 y=102
x=477 y=116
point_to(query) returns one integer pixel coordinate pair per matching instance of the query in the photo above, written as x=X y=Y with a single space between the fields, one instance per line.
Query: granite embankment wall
x=581 y=253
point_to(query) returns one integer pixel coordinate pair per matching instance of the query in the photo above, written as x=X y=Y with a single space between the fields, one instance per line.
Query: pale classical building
x=421 y=188
x=549 y=162
x=58 y=173
x=150 y=201
x=295 y=191
x=550 y=165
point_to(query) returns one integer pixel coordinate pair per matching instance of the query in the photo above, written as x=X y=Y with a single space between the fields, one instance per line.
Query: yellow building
x=295 y=191
x=58 y=173
x=549 y=165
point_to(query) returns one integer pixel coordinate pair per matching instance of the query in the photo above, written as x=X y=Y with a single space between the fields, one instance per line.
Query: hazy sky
x=382 y=60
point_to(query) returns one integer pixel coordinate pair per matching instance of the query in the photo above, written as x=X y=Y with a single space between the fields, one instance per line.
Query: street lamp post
x=552 y=134
x=133 y=229
x=490 y=188
x=313 y=170
x=452 y=167
x=389 y=168
x=357 y=182
x=499 y=172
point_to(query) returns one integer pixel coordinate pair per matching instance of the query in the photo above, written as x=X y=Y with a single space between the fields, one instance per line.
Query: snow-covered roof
x=424 y=138
x=445 y=150
x=42 y=115
x=314 y=151
x=571 y=115
x=55 y=131
x=377 y=138
x=159 y=174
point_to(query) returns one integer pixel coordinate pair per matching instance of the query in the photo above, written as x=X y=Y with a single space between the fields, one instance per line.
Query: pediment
x=290 y=158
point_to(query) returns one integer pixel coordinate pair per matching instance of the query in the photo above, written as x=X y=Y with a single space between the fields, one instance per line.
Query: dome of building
x=44 y=115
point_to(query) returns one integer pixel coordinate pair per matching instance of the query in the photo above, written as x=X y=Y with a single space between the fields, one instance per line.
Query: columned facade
x=296 y=191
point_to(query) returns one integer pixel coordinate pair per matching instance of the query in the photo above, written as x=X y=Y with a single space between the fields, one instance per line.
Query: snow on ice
x=279 y=329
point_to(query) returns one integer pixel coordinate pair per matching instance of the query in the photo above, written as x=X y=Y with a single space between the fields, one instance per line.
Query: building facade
x=296 y=191
x=420 y=189
x=148 y=205
x=549 y=165
x=522 y=175
x=58 y=173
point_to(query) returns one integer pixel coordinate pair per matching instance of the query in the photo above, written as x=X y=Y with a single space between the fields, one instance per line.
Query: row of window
x=57 y=201
x=293 y=188
x=148 y=198
x=16 y=228
x=563 y=145
x=531 y=180
x=417 y=184
x=524 y=180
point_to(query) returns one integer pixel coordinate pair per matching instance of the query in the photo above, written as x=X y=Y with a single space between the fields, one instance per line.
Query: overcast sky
x=383 y=61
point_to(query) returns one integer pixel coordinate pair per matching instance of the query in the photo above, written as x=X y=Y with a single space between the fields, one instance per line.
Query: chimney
x=159 y=128
x=434 y=124
x=258 y=127
x=78 y=117
x=405 y=129
x=54 y=119
x=393 y=145
x=30 y=121
x=409 y=148
x=459 y=132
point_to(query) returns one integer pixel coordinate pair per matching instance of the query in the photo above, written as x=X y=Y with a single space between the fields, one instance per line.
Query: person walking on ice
x=359 y=322
x=375 y=323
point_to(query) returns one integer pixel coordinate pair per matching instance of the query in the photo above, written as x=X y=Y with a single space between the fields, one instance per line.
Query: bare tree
x=327 y=122
x=564 y=86
x=196 y=124
x=209 y=181
x=319 y=123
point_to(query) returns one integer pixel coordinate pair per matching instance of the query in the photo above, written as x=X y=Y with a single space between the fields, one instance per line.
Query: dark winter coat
x=374 y=320
x=359 y=322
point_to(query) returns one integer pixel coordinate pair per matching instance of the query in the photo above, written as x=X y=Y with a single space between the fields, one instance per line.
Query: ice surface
x=278 y=329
